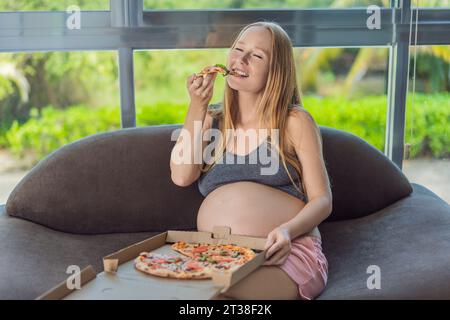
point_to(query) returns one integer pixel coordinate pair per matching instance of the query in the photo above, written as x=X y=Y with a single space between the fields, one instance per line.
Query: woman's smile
x=241 y=72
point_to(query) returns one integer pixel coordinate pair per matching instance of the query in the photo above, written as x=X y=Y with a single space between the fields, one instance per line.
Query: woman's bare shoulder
x=300 y=123
x=298 y=113
x=299 y=119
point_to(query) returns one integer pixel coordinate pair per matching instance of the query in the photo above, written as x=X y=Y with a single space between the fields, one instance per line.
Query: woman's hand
x=201 y=89
x=278 y=245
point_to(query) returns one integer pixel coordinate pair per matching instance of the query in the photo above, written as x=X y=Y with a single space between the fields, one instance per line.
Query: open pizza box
x=120 y=279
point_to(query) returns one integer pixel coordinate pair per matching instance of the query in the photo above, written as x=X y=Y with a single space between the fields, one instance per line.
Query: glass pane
x=344 y=88
x=52 y=5
x=48 y=100
x=246 y=4
x=430 y=3
x=427 y=120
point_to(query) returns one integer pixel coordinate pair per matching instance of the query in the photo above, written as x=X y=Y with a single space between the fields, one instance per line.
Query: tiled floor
x=8 y=181
x=433 y=174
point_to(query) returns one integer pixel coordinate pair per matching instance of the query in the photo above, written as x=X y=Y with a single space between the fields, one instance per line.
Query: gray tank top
x=234 y=168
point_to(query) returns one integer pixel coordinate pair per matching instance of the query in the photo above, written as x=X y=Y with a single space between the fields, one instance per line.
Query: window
x=343 y=88
x=430 y=3
x=427 y=136
x=253 y=4
x=51 y=5
x=50 y=99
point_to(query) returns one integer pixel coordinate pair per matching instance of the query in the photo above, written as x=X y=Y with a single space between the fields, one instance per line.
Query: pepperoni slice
x=193 y=265
x=200 y=249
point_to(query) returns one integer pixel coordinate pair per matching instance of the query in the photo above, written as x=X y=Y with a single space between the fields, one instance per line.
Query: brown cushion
x=363 y=179
x=110 y=182
x=120 y=182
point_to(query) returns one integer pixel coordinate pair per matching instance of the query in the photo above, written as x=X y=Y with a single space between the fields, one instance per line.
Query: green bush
x=53 y=128
x=364 y=117
x=44 y=133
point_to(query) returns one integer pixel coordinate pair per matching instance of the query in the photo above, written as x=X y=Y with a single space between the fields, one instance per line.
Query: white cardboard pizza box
x=120 y=279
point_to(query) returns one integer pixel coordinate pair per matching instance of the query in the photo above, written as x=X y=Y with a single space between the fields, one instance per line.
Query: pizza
x=198 y=261
x=219 y=68
x=221 y=256
x=171 y=266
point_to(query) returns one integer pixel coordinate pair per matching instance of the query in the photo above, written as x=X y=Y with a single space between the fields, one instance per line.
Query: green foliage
x=161 y=75
x=235 y=4
x=53 y=128
x=430 y=120
x=60 y=79
x=245 y=4
x=364 y=117
x=161 y=113
x=426 y=127
x=52 y=5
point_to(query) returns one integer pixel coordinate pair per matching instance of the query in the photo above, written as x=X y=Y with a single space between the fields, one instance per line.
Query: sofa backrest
x=120 y=181
x=363 y=179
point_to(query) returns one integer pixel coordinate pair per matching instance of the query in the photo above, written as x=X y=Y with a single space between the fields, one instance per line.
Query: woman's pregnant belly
x=248 y=208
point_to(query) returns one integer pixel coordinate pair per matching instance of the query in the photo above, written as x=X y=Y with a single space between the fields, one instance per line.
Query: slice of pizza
x=222 y=257
x=219 y=68
x=172 y=266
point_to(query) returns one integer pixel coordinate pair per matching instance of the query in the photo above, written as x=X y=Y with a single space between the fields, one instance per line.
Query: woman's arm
x=305 y=135
x=186 y=158
x=185 y=174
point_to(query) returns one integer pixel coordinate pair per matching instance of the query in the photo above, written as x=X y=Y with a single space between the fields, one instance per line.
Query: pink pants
x=307 y=266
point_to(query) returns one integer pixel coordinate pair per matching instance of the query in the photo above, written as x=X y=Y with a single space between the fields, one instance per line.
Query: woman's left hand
x=278 y=245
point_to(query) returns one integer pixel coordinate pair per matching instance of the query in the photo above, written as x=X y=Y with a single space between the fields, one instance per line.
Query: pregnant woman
x=284 y=205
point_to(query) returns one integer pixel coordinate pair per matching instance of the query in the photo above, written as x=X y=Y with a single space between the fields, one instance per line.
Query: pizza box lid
x=120 y=280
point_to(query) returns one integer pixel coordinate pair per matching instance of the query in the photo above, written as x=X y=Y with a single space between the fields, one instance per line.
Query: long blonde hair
x=280 y=97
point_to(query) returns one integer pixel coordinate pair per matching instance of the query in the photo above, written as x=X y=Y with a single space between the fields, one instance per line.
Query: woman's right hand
x=201 y=89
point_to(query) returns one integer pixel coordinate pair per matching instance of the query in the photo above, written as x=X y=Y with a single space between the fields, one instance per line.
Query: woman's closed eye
x=256 y=55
